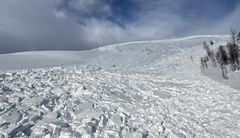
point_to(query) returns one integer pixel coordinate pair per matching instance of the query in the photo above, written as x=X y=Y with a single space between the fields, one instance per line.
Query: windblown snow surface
x=148 y=89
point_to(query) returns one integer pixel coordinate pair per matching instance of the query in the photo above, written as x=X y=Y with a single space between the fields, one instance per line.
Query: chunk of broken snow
x=35 y=101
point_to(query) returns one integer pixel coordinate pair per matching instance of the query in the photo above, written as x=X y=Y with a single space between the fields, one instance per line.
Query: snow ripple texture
x=167 y=98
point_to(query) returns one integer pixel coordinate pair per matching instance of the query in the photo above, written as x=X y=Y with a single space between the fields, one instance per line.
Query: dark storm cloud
x=84 y=24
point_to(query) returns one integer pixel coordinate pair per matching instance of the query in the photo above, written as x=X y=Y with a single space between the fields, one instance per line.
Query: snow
x=138 y=89
x=126 y=54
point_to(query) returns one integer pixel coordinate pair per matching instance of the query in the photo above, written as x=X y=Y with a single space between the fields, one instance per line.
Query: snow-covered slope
x=126 y=55
x=136 y=90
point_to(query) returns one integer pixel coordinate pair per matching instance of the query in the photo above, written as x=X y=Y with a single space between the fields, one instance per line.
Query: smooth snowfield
x=133 y=52
x=135 y=90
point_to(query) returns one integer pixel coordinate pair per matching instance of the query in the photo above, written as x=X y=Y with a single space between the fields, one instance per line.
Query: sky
x=85 y=24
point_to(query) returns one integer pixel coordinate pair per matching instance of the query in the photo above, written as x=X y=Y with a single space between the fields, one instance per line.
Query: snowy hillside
x=122 y=55
x=135 y=90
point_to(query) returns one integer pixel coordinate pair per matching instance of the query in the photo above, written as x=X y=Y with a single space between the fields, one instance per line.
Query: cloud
x=86 y=24
x=60 y=14
x=230 y=21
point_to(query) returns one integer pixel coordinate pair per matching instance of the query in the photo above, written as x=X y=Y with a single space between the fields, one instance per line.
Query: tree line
x=225 y=56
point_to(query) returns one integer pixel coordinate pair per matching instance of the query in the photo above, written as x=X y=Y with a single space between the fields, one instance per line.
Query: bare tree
x=222 y=58
x=238 y=37
x=210 y=53
x=227 y=55
x=234 y=51
x=204 y=61
x=233 y=36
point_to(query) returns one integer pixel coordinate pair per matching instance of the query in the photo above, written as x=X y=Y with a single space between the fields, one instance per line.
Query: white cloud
x=59 y=14
x=42 y=25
